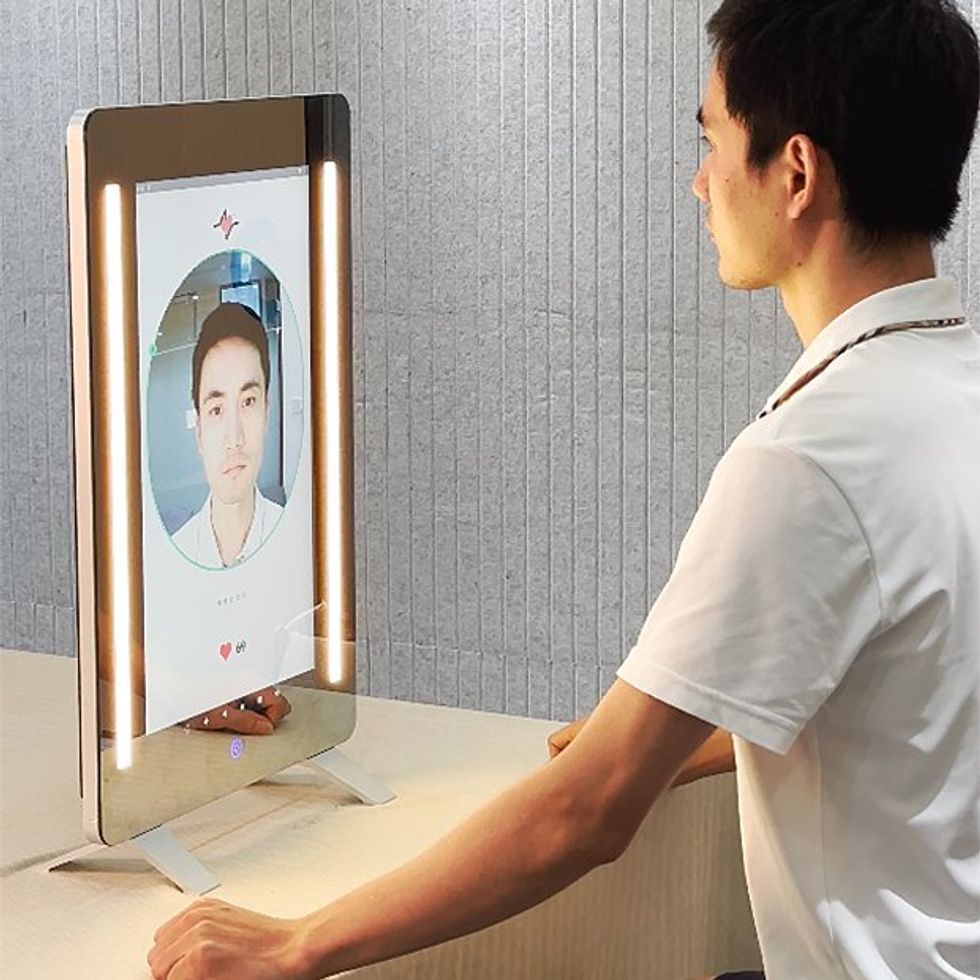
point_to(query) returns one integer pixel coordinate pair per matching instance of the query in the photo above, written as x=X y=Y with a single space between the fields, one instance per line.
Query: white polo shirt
x=196 y=537
x=825 y=609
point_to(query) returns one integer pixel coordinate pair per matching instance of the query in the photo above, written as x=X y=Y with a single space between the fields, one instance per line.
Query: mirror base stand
x=367 y=788
x=164 y=852
x=175 y=862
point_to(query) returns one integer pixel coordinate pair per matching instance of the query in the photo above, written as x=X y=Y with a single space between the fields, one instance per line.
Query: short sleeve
x=773 y=595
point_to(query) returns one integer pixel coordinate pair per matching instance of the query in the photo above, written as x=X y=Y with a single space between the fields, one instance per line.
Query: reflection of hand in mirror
x=255 y=714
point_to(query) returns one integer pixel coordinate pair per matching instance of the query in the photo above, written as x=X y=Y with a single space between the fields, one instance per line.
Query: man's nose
x=700 y=185
x=233 y=431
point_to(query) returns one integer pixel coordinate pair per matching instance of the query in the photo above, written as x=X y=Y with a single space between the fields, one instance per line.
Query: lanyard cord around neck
x=877 y=332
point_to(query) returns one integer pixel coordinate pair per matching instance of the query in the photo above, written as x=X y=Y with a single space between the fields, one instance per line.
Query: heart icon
x=225 y=651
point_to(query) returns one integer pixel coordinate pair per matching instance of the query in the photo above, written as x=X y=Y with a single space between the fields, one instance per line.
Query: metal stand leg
x=175 y=862
x=362 y=784
x=165 y=853
x=79 y=854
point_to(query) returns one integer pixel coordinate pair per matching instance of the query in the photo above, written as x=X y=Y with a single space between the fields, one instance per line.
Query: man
x=825 y=604
x=230 y=387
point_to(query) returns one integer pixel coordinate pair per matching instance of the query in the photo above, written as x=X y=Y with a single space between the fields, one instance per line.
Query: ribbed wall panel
x=547 y=367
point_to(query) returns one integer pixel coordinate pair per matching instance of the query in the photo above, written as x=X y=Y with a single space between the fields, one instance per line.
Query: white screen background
x=189 y=611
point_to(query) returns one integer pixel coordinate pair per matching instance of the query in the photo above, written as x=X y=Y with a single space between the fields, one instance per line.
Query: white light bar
x=120 y=586
x=329 y=237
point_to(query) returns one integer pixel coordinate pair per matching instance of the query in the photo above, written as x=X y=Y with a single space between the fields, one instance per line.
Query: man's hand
x=563 y=737
x=715 y=755
x=256 y=714
x=211 y=940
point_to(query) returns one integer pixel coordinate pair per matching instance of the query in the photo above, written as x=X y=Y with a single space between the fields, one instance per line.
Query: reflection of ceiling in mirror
x=213 y=272
x=179 y=326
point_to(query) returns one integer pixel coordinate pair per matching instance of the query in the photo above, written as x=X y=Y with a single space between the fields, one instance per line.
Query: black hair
x=224 y=321
x=888 y=88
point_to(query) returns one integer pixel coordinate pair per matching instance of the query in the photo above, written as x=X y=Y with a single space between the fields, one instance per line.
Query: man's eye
x=249 y=401
x=707 y=143
x=214 y=411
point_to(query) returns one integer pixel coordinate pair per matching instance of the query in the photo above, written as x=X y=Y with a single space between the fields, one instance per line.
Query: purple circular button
x=237 y=748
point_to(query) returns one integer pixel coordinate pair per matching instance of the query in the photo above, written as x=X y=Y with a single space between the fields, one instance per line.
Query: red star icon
x=226 y=222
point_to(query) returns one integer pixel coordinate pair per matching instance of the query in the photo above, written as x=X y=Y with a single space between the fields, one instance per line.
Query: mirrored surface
x=211 y=352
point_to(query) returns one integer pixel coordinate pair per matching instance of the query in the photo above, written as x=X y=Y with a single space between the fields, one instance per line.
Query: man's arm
x=715 y=755
x=565 y=819
x=577 y=812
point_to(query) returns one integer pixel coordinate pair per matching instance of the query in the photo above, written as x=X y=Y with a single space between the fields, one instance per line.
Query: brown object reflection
x=258 y=713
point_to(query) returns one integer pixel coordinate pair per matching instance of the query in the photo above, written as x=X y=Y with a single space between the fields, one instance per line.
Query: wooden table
x=673 y=906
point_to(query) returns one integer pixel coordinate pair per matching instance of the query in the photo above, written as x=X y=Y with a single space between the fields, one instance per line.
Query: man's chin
x=233 y=495
x=739 y=279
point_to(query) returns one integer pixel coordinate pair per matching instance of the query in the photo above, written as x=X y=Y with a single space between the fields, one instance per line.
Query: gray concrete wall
x=547 y=368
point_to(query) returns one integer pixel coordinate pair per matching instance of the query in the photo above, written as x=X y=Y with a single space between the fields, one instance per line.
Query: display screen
x=223 y=271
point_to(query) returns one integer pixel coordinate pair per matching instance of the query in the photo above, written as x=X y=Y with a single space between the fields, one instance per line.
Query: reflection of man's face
x=232 y=419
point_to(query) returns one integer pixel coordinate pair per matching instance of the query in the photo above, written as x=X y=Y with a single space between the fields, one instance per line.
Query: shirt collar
x=257 y=532
x=925 y=299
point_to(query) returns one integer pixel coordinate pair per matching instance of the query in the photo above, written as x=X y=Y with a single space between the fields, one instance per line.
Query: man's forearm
x=518 y=850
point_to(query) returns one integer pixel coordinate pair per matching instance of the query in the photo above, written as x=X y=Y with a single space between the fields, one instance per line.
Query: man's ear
x=197 y=433
x=805 y=168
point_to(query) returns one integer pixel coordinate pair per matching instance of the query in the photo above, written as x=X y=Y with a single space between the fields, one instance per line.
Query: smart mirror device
x=210 y=301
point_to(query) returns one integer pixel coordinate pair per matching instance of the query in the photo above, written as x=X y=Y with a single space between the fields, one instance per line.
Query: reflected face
x=744 y=209
x=233 y=419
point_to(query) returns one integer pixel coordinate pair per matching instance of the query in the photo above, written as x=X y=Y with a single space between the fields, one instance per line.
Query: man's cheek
x=210 y=452
x=257 y=444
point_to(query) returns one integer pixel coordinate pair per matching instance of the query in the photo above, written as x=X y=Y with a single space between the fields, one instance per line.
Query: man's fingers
x=256 y=715
x=162 y=958
x=278 y=708
x=271 y=703
x=167 y=955
x=557 y=741
x=246 y=722
x=217 y=941
x=176 y=921
x=171 y=940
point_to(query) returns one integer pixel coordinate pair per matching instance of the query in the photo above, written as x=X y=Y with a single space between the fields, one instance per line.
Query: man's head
x=230 y=385
x=858 y=113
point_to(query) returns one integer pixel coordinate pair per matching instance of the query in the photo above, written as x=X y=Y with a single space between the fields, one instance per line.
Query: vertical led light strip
x=329 y=237
x=118 y=509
